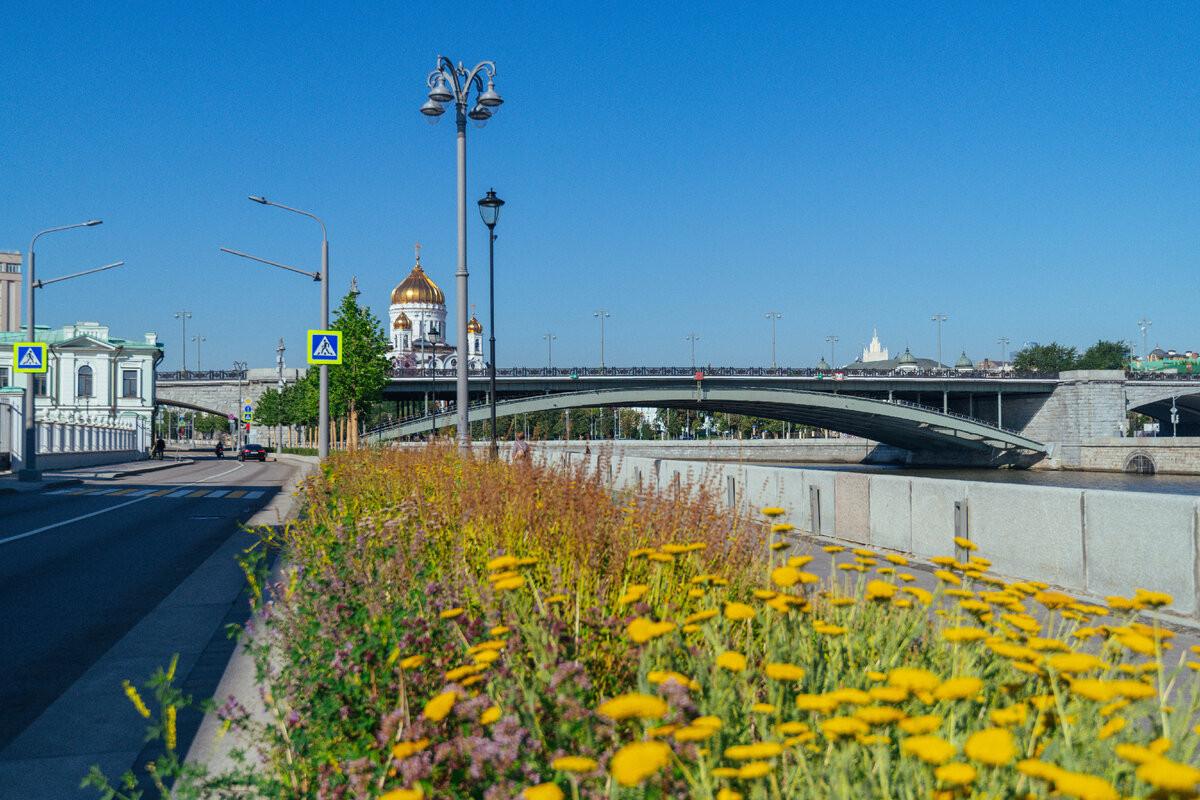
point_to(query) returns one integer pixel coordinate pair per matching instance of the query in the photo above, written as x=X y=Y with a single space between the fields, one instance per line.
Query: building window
x=83 y=387
x=39 y=383
x=477 y=346
x=129 y=383
x=3 y=377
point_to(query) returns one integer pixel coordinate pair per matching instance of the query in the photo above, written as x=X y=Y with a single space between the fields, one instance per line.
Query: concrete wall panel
x=826 y=482
x=891 y=512
x=1033 y=532
x=933 y=515
x=853 y=506
x=1142 y=541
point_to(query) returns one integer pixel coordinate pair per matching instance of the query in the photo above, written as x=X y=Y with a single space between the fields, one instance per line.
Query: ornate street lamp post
x=939 y=318
x=449 y=83
x=549 y=337
x=489 y=210
x=198 y=339
x=692 y=337
x=601 y=314
x=832 y=341
x=183 y=316
x=773 y=315
x=1145 y=324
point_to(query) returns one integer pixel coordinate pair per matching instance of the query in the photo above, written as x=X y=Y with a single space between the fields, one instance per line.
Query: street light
x=939 y=319
x=773 y=315
x=239 y=367
x=692 y=337
x=323 y=278
x=450 y=83
x=183 y=316
x=489 y=210
x=549 y=337
x=832 y=341
x=198 y=339
x=29 y=471
x=601 y=314
x=1145 y=324
x=1003 y=342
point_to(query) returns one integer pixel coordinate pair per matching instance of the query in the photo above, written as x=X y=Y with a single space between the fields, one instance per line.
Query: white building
x=417 y=330
x=875 y=351
x=92 y=377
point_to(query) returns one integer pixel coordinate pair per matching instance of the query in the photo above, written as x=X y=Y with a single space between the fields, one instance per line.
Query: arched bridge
x=920 y=429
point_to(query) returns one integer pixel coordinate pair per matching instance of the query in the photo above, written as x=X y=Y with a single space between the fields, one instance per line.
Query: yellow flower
x=574 y=764
x=1137 y=643
x=956 y=774
x=404 y=794
x=929 y=749
x=503 y=562
x=926 y=723
x=1014 y=715
x=708 y=722
x=829 y=630
x=625 y=706
x=451 y=613
x=1072 y=663
x=1084 y=787
x=1022 y=622
x=693 y=733
x=772 y=511
x=500 y=630
x=923 y=595
x=793 y=728
x=635 y=762
x=1169 y=775
x=991 y=746
x=965 y=543
x=729 y=794
x=1054 y=599
x=835 y=727
x=643 y=630
x=765 y=594
x=753 y=752
x=486 y=656
x=170 y=733
x=880 y=590
x=948 y=577
x=725 y=772
x=659 y=676
x=1039 y=769
x=958 y=688
x=833 y=548
x=855 y=697
x=799 y=561
x=1152 y=599
x=136 y=699
x=785 y=576
x=510 y=583
x=402 y=750
x=888 y=694
x=700 y=616
x=738 y=611
x=899 y=561
x=755 y=769
x=543 y=791
x=784 y=672
x=461 y=672
x=437 y=708
x=763 y=708
x=913 y=679
x=816 y=702
x=734 y=662
x=1111 y=727
x=955 y=635
x=489 y=716
x=879 y=715
x=1137 y=753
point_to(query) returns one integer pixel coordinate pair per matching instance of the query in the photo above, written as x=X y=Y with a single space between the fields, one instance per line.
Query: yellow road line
x=238 y=493
x=161 y=492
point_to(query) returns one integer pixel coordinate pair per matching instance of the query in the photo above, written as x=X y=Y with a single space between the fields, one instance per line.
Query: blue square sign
x=324 y=347
x=29 y=357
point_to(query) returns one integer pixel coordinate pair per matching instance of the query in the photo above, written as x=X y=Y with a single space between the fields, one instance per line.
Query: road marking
x=254 y=495
x=199 y=493
x=159 y=493
x=217 y=493
x=124 y=491
x=180 y=493
x=141 y=492
x=106 y=510
x=102 y=491
x=233 y=495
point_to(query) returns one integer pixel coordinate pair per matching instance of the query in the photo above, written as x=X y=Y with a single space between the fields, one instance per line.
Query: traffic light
x=247 y=427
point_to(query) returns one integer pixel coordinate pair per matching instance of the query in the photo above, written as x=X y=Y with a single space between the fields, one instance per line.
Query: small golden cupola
x=402 y=323
x=474 y=326
x=418 y=288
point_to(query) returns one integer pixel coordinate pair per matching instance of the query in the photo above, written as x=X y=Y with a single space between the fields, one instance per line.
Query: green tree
x=269 y=408
x=301 y=401
x=1104 y=355
x=357 y=383
x=1053 y=357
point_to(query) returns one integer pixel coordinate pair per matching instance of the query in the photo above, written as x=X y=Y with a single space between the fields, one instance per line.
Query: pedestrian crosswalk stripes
x=172 y=492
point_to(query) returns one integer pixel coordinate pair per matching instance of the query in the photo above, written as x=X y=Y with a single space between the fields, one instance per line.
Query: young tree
x=358 y=381
x=1053 y=357
x=1104 y=355
x=269 y=409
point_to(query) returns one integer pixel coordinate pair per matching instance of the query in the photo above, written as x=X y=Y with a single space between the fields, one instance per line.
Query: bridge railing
x=713 y=372
x=203 y=375
x=1162 y=376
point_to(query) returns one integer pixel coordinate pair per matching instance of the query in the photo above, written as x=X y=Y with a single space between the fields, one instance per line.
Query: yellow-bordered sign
x=29 y=357
x=324 y=347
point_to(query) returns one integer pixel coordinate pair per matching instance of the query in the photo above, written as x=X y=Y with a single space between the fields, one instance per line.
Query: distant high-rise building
x=10 y=291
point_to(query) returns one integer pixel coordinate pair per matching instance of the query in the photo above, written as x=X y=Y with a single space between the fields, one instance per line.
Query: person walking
x=520 y=451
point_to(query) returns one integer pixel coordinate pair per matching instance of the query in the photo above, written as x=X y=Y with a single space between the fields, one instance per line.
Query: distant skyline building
x=10 y=291
x=874 y=351
x=417 y=326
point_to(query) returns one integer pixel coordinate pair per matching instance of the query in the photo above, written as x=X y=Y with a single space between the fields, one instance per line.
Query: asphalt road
x=85 y=568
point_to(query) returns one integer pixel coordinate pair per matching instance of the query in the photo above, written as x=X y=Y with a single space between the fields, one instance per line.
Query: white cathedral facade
x=417 y=326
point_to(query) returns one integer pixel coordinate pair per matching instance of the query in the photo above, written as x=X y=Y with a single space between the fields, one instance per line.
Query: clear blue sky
x=1031 y=170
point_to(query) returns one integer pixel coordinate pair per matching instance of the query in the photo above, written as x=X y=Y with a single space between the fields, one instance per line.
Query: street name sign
x=324 y=347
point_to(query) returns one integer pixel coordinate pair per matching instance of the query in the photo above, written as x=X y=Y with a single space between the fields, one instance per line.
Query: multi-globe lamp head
x=486 y=104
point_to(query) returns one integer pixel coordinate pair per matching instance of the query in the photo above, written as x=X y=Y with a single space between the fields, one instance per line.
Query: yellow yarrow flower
x=913 y=679
x=755 y=769
x=729 y=794
x=785 y=576
x=437 y=708
x=624 y=706
x=772 y=511
x=955 y=635
x=451 y=613
x=543 y=791
x=574 y=764
x=1085 y=787
x=635 y=762
x=926 y=723
x=799 y=561
x=489 y=716
x=929 y=749
x=1170 y=776
x=784 y=672
x=763 y=708
x=734 y=662
x=693 y=733
x=1113 y=726
x=643 y=630
x=991 y=746
x=738 y=611
x=958 y=688
x=402 y=750
x=956 y=774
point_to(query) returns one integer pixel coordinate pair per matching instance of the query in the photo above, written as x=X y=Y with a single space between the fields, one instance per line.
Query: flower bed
x=457 y=628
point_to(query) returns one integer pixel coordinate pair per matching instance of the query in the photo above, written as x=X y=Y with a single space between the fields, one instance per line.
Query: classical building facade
x=417 y=326
x=10 y=291
x=92 y=376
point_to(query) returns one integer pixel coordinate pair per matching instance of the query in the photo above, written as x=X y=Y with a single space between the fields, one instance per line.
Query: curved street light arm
x=40 y=284
x=316 y=276
x=447 y=69
x=266 y=202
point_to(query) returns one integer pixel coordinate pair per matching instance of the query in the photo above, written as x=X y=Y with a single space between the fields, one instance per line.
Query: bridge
x=942 y=417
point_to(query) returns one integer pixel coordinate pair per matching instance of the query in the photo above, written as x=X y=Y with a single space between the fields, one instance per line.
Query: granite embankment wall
x=1094 y=542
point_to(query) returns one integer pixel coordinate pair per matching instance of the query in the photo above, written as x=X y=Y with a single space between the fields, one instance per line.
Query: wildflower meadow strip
x=457 y=628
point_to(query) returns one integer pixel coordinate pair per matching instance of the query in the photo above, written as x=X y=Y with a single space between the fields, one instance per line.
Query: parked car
x=250 y=451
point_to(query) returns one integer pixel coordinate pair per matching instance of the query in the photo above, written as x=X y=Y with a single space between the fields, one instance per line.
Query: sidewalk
x=103 y=472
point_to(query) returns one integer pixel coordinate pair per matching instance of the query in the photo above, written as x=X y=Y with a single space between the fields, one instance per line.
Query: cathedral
x=418 y=326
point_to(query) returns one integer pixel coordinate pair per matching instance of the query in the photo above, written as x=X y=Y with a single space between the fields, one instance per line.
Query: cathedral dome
x=474 y=326
x=402 y=323
x=964 y=362
x=907 y=359
x=418 y=288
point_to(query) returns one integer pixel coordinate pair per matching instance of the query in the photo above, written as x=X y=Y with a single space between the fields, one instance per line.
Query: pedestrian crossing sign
x=247 y=413
x=324 y=347
x=29 y=357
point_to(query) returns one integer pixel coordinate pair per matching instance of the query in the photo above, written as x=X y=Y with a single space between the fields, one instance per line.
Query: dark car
x=250 y=451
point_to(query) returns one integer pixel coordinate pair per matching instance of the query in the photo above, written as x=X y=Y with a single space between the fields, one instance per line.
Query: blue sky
x=1031 y=170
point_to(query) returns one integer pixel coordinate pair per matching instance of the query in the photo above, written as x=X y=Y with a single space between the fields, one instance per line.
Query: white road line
x=216 y=493
x=253 y=495
x=180 y=493
x=101 y=491
x=106 y=510
x=141 y=492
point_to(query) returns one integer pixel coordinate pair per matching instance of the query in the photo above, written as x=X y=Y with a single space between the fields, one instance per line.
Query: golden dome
x=417 y=288
x=402 y=323
x=474 y=326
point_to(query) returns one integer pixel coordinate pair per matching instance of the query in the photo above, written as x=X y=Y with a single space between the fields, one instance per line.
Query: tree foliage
x=1104 y=355
x=357 y=383
x=1053 y=357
